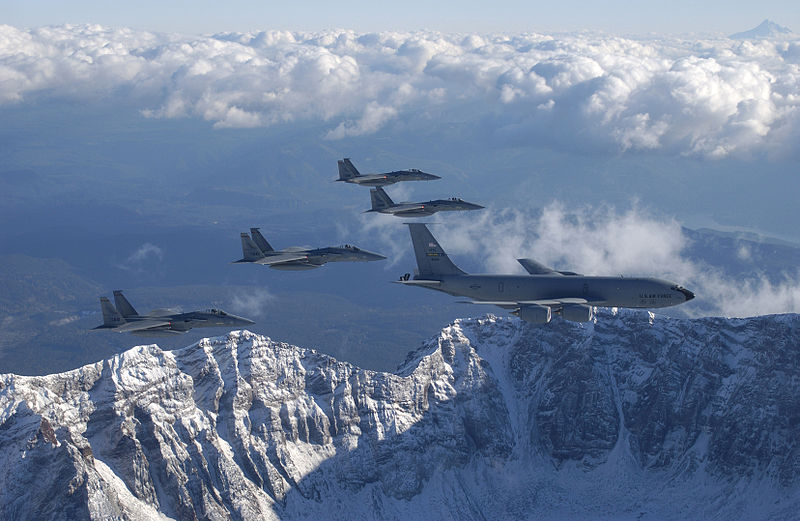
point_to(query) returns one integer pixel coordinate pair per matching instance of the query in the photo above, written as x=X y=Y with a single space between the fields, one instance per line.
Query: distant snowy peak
x=767 y=29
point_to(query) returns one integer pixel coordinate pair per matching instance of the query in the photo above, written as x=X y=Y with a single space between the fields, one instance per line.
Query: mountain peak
x=767 y=29
x=490 y=409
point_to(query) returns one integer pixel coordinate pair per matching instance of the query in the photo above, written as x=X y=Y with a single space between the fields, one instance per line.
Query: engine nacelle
x=535 y=314
x=577 y=312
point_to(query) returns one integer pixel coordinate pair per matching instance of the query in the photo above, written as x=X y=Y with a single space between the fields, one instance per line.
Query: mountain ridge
x=634 y=416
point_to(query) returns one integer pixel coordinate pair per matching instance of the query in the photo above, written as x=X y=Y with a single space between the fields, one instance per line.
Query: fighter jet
x=125 y=319
x=536 y=297
x=349 y=174
x=258 y=251
x=383 y=204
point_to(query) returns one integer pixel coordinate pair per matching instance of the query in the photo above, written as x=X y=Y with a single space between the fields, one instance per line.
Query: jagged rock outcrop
x=633 y=416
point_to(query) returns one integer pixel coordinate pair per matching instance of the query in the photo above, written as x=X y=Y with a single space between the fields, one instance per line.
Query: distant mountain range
x=635 y=416
x=766 y=29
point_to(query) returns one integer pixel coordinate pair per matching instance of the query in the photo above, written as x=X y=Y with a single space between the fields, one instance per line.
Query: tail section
x=347 y=170
x=380 y=200
x=431 y=258
x=250 y=251
x=260 y=241
x=111 y=318
x=123 y=306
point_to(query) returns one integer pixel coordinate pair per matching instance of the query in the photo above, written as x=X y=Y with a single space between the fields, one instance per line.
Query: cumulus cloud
x=602 y=241
x=713 y=98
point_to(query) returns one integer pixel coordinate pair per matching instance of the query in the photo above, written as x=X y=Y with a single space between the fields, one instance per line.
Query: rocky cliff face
x=632 y=417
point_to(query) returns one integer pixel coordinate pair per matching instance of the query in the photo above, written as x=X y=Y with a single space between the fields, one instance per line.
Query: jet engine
x=577 y=312
x=535 y=314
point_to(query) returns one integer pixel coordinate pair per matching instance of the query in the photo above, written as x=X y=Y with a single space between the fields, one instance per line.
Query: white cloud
x=251 y=303
x=709 y=98
x=145 y=252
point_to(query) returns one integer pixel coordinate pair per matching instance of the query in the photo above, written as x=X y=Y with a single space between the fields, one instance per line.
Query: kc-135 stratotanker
x=536 y=297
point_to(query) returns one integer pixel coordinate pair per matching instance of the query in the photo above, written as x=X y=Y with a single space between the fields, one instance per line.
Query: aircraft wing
x=518 y=303
x=270 y=260
x=141 y=325
x=419 y=282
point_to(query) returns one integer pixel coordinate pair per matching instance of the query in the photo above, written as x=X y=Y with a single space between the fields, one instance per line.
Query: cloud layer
x=712 y=98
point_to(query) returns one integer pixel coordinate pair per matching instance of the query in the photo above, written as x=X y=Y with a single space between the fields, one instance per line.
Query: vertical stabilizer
x=431 y=258
x=347 y=170
x=123 y=306
x=250 y=251
x=380 y=200
x=260 y=241
x=111 y=318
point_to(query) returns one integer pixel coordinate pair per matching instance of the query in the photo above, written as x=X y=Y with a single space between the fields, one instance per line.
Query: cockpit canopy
x=217 y=312
x=349 y=247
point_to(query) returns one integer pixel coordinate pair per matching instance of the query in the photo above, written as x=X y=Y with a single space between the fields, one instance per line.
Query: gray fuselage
x=629 y=292
x=319 y=256
x=390 y=178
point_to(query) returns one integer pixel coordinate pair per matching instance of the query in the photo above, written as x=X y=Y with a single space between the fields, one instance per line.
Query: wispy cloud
x=251 y=303
x=145 y=252
x=712 y=98
x=64 y=321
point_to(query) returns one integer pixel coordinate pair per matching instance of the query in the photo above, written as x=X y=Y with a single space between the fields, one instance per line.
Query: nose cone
x=686 y=293
x=370 y=256
x=473 y=206
x=241 y=321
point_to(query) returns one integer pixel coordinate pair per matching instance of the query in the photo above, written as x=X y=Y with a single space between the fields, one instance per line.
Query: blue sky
x=206 y=16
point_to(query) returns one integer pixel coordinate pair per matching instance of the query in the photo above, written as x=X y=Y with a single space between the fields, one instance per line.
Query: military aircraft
x=257 y=250
x=125 y=319
x=382 y=203
x=540 y=294
x=349 y=174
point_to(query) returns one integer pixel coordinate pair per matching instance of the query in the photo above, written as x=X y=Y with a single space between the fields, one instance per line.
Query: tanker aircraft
x=257 y=250
x=161 y=322
x=349 y=174
x=540 y=294
x=382 y=203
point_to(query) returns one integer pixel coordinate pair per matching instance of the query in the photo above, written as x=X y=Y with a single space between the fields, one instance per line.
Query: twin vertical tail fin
x=260 y=241
x=347 y=170
x=432 y=260
x=123 y=306
x=380 y=200
x=111 y=318
x=250 y=250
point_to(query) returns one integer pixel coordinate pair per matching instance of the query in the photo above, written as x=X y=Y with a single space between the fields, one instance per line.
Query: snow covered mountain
x=633 y=417
x=766 y=29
